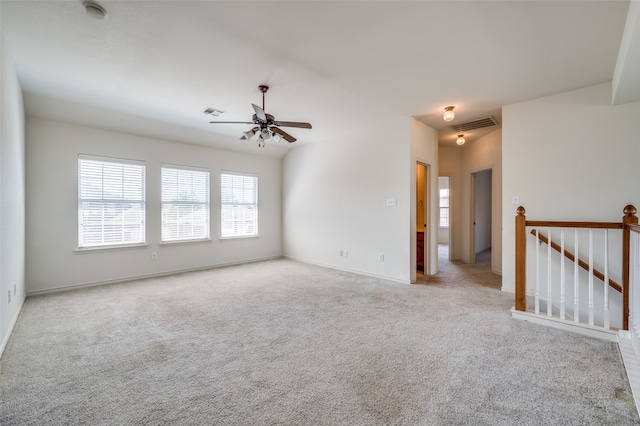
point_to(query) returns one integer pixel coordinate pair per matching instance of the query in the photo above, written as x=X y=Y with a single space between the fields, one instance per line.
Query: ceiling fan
x=267 y=126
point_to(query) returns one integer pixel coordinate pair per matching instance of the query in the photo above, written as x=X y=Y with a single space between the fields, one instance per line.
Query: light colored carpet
x=287 y=343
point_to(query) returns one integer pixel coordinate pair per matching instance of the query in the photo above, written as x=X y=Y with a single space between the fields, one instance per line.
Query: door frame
x=472 y=216
x=426 y=216
x=449 y=230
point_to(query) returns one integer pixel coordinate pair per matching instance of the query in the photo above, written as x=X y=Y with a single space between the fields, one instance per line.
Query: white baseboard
x=584 y=329
x=353 y=271
x=14 y=320
x=631 y=364
x=145 y=276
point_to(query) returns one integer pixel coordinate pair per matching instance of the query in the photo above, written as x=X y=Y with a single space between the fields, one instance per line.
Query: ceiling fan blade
x=284 y=134
x=259 y=112
x=292 y=124
x=231 y=122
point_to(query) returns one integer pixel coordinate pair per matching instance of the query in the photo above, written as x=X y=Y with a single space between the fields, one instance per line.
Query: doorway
x=444 y=215
x=423 y=234
x=481 y=216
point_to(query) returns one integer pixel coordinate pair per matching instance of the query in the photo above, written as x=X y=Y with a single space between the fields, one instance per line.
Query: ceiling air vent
x=213 y=111
x=474 y=124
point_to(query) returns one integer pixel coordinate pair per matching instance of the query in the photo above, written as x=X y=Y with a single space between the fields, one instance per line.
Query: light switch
x=515 y=200
x=392 y=202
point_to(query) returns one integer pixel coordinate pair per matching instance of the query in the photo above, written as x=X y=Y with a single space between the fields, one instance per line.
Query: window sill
x=239 y=237
x=180 y=242
x=114 y=247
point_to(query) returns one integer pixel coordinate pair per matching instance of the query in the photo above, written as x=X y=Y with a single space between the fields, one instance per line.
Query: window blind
x=239 y=203
x=185 y=203
x=111 y=202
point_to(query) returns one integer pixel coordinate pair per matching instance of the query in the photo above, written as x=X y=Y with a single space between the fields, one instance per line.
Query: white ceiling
x=150 y=68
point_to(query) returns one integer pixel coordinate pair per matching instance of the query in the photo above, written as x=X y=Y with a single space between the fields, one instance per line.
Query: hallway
x=460 y=272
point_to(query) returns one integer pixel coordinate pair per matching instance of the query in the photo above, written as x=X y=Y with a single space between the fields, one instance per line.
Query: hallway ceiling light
x=460 y=140
x=448 y=113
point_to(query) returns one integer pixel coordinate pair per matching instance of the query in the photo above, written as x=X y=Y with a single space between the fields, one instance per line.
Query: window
x=185 y=203
x=239 y=200
x=444 y=208
x=111 y=202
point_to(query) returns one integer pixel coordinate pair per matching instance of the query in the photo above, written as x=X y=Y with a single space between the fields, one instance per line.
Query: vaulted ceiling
x=152 y=67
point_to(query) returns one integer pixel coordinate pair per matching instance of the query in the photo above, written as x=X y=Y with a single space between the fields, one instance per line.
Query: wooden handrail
x=633 y=227
x=521 y=260
x=556 y=224
x=628 y=224
x=584 y=265
x=629 y=219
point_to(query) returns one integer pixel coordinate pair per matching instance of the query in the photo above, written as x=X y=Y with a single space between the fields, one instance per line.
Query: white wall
x=449 y=164
x=12 y=197
x=569 y=156
x=335 y=198
x=424 y=149
x=459 y=163
x=52 y=156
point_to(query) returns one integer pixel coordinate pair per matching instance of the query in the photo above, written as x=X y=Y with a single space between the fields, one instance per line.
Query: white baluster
x=576 y=282
x=634 y=326
x=537 y=290
x=549 y=300
x=562 y=277
x=590 y=276
x=606 y=279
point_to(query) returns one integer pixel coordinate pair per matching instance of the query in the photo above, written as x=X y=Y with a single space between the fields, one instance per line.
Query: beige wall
x=52 y=157
x=459 y=163
x=335 y=196
x=424 y=149
x=12 y=196
x=449 y=165
x=570 y=156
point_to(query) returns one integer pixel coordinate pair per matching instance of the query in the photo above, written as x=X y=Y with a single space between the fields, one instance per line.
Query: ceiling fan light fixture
x=248 y=134
x=265 y=134
x=460 y=140
x=448 y=113
x=277 y=137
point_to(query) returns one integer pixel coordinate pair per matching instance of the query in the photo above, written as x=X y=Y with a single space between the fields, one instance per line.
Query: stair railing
x=633 y=277
x=628 y=225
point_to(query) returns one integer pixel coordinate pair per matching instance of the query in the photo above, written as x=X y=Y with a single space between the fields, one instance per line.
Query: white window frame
x=238 y=205
x=185 y=203
x=113 y=199
x=447 y=207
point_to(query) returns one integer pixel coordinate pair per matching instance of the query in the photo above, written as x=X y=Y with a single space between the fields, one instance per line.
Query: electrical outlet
x=381 y=257
x=154 y=256
x=341 y=253
x=346 y=253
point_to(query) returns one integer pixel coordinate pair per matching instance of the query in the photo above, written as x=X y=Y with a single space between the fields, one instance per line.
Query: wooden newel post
x=521 y=260
x=628 y=218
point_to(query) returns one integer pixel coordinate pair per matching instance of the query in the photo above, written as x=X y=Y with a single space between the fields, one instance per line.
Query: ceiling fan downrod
x=263 y=89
